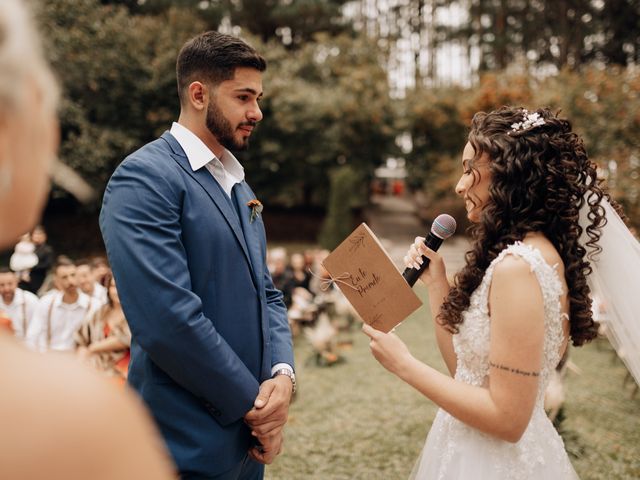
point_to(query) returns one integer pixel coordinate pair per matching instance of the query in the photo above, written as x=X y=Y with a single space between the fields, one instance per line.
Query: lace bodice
x=471 y=344
x=455 y=450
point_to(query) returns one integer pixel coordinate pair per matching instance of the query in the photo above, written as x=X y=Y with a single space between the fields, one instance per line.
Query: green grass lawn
x=354 y=420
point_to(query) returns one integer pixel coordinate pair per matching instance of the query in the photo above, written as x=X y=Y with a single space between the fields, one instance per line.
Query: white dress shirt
x=99 y=295
x=60 y=319
x=227 y=171
x=20 y=311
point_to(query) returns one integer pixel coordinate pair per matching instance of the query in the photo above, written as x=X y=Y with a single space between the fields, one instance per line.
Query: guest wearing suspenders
x=18 y=305
x=59 y=314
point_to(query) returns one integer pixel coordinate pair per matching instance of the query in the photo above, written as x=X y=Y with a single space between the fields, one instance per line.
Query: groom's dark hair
x=212 y=57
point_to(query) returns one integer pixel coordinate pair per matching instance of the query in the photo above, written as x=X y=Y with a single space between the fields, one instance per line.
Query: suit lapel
x=251 y=229
x=215 y=192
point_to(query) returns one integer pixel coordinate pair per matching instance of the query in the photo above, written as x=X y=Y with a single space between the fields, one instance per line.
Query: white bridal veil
x=615 y=284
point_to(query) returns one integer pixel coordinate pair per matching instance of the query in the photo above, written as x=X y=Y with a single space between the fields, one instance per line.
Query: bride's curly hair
x=540 y=178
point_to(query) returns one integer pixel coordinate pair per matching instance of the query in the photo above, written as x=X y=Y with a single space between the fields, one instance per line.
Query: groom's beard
x=222 y=129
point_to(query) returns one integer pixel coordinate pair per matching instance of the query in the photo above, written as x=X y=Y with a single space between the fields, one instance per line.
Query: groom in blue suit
x=211 y=352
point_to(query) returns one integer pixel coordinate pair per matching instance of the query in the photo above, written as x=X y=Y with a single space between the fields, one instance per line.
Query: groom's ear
x=197 y=95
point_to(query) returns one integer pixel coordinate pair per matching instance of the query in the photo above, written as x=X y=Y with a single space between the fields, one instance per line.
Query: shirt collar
x=82 y=302
x=232 y=166
x=199 y=154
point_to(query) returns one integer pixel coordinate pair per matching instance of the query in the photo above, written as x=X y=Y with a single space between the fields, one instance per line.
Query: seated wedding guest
x=49 y=287
x=87 y=283
x=17 y=304
x=309 y=258
x=100 y=269
x=320 y=280
x=299 y=272
x=46 y=258
x=104 y=337
x=49 y=403
x=59 y=315
x=281 y=273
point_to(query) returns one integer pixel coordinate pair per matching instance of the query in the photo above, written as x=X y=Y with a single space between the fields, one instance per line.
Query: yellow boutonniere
x=256 y=209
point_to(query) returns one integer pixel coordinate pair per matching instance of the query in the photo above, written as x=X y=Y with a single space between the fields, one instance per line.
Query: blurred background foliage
x=350 y=84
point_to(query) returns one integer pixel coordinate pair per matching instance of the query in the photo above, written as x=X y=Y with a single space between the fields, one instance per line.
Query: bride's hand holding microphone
x=422 y=254
x=436 y=271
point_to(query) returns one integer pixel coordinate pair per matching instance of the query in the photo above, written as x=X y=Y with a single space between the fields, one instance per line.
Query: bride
x=523 y=294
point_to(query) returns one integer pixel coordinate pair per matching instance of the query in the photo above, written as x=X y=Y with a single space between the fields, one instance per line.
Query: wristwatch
x=290 y=374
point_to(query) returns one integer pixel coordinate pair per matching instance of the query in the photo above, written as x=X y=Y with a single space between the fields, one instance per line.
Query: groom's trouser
x=247 y=469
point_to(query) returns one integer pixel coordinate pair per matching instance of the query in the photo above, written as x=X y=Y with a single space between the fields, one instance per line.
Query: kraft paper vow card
x=366 y=275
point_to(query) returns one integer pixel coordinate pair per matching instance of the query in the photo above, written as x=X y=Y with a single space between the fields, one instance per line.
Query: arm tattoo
x=513 y=370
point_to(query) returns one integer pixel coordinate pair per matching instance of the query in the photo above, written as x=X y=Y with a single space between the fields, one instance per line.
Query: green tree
x=604 y=106
x=209 y=12
x=557 y=33
x=434 y=120
x=291 y=22
x=339 y=221
x=326 y=104
x=619 y=22
x=117 y=74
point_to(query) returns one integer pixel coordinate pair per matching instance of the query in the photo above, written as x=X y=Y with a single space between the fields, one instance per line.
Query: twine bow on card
x=325 y=283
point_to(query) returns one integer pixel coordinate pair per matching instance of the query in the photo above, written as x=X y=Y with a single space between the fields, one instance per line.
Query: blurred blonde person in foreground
x=48 y=405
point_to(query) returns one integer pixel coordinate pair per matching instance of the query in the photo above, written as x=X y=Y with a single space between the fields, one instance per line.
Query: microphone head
x=443 y=226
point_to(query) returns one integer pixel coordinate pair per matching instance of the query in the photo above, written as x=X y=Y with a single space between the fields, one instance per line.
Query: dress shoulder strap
x=546 y=274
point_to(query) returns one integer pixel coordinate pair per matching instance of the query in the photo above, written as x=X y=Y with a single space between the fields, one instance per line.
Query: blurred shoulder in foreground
x=60 y=420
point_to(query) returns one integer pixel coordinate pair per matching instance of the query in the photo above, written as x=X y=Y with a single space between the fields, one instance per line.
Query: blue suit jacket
x=206 y=320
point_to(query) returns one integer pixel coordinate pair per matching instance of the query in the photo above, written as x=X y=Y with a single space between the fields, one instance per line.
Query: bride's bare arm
x=435 y=279
x=504 y=407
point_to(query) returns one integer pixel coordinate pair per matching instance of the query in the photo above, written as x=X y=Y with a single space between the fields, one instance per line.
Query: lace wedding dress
x=454 y=450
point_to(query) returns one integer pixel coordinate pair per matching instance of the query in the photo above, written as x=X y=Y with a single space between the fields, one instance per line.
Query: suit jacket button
x=212 y=410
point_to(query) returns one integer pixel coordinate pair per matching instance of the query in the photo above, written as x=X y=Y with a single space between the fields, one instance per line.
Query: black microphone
x=442 y=228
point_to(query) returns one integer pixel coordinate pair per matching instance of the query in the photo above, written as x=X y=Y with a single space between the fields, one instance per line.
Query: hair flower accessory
x=256 y=208
x=530 y=120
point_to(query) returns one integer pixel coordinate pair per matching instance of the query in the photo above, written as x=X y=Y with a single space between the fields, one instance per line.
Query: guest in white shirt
x=17 y=304
x=88 y=284
x=59 y=315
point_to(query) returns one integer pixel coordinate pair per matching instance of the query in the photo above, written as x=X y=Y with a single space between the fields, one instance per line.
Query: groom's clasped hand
x=268 y=416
